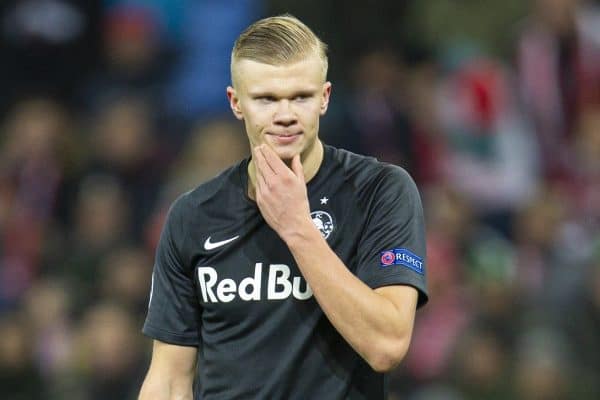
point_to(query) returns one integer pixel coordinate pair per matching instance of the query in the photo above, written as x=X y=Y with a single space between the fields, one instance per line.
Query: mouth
x=284 y=137
x=284 y=133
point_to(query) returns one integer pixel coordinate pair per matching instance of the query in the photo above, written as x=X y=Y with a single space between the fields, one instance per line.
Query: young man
x=294 y=274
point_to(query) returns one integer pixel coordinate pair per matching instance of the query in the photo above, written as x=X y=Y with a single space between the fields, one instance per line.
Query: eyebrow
x=304 y=93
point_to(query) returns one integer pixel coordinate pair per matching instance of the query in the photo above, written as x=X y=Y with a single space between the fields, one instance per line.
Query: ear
x=325 y=97
x=234 y=103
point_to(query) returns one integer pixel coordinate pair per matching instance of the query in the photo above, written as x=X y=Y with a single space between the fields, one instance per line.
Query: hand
x=281 y=193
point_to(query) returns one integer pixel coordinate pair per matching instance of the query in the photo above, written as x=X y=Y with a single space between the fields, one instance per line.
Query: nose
x=284 y=114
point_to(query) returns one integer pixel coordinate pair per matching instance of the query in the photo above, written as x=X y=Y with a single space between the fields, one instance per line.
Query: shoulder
x=193 y=211
x=368 y=175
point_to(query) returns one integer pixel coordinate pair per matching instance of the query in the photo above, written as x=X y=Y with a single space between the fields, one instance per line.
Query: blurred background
x=110 y=109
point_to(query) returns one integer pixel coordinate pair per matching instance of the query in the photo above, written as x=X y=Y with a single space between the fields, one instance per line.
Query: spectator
x=491 y=155
x=36 y=161
x=111 y=353
x=124 y=277
x=47 y=46
x=19 y=377
x=101 y=222
x=558 y=63
x=126 y=148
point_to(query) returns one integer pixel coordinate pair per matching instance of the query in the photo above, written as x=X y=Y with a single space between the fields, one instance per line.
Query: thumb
x=297 y=167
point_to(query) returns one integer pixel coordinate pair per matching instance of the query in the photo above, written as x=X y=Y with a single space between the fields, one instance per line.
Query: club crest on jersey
x=402 y=257
x=323 y=222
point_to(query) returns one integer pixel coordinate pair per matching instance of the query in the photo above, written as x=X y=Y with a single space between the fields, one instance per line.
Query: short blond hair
x=279 y=40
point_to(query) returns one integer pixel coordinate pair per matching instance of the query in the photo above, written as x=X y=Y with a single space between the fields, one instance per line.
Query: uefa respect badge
x=402 y=257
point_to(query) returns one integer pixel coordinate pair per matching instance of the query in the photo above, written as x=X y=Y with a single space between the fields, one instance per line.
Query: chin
x=286 y=153
x=287 y=156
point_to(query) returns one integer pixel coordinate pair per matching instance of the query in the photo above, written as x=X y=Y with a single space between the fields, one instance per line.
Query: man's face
x=281 y=105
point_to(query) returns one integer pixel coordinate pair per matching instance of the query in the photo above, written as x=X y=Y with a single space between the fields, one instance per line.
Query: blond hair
x=278 y=40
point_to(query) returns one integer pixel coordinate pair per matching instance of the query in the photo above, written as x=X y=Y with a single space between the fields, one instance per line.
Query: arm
x=376 y=323
x=173 y=315
x=171 y=373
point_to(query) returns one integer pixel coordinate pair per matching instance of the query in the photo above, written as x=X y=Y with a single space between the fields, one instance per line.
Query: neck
x=311 y=159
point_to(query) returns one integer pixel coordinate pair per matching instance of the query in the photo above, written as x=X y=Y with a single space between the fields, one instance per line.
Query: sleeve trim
x=402 y=280
x=171 y=338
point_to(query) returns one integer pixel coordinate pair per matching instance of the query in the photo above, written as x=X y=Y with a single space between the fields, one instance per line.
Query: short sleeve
x=173 y=309
x=392 y=247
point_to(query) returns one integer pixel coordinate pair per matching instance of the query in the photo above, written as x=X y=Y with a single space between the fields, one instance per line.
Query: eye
x=266 y=99
x=301 y=97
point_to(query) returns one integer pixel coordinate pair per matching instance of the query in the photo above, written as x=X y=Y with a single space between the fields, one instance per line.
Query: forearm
x=158 y=388
x=171 y=373
x=377 y=328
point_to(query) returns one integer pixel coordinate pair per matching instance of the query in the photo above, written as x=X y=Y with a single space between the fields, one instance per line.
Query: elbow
x=385 y=362
x=385 y=358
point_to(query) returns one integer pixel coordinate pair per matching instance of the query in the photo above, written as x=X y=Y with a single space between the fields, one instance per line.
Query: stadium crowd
x=111 y=109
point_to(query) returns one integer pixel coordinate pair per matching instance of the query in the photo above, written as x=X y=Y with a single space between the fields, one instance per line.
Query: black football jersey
x=225 y=282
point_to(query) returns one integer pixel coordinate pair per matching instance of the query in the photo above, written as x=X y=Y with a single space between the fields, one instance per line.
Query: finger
x=263 y=166
x=297 y=167
x=272 y=159
x=260 y=179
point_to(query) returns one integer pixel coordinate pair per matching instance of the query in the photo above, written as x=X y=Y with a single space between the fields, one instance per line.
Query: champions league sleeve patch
x=402 y=257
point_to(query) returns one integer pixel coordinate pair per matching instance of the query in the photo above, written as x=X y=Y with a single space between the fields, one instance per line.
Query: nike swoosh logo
x=208 y=245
